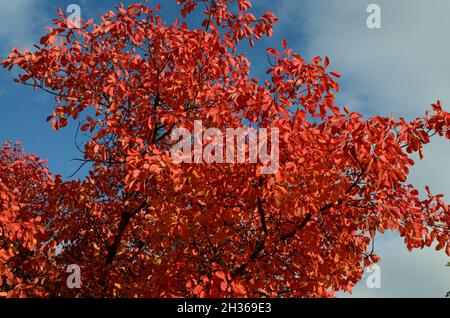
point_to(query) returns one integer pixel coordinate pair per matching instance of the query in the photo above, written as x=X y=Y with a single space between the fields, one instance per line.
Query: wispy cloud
x=21 y=23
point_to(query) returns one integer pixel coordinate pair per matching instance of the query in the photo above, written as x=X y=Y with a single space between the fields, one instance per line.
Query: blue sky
x=402 y=67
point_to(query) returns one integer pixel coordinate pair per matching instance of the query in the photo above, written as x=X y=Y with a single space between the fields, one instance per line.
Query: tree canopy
x=140 y=225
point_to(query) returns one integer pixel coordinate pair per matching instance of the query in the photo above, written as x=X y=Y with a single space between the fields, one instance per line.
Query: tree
x=141 y=225
x=24 y=182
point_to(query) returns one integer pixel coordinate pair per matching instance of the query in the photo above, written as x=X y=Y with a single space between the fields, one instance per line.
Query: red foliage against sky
x=141 y=225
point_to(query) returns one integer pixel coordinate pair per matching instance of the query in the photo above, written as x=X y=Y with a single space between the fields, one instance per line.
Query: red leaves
x=198 y=291
x=109 y=90
x=270 y=17
x=156 y=226
x=437 y=107
x=375 y=258
x=4 y=256
x=336 y=74
x=220 y=285
x=285 y=101
x=59 y=123
x=45 y=39
x=272 y=51
x=52 y=39
x=220 y=275
x=238 y=289
x=244 y=5
x=24 y=182
x=187 y=8
x=223 y=286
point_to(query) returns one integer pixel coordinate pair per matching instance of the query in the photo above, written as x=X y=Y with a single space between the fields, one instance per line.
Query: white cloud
x=401 y=68
x=20 y=23
x=404 y=274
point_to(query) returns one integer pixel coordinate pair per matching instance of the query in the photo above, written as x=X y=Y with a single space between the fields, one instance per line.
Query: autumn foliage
x=141 y=226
